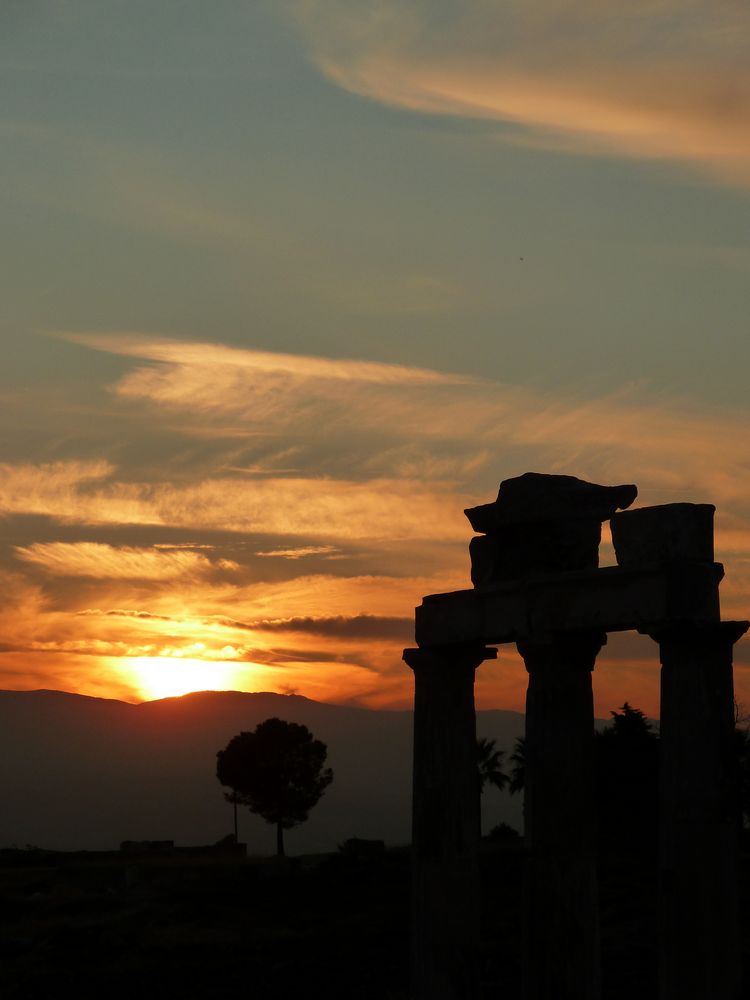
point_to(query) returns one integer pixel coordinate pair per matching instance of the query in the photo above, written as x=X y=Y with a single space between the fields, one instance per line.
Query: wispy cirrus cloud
x=163 y=637
x=301 y=552
x=374 y=530
x=660 y=79
x=32 y=623
x=98 y=560
x=356 y=626
x=217 y=357
x=345 y=509
x=46 y=488
x=123 y=613
x=337 y=626
x=185 y=639
x=431 y=423
x=315 y=596
x=424 y=447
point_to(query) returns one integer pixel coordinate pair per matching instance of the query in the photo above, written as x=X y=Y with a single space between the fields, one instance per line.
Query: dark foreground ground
x=329 y=927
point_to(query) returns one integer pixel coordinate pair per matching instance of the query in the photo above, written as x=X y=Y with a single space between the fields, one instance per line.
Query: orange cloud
x=656 y=80
x=124 y=562
x=185 y=619
x=669 y=447
x=352 y=629
x=378 y=509
x=48 y=487
x=424 y=439
x=414 y=451
x=339 y=626
x=236 y=361
x=312 y=595
x=327 y=551
x=183 y=634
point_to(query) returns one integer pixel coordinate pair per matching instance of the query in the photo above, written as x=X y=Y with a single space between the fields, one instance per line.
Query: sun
x=171 y=676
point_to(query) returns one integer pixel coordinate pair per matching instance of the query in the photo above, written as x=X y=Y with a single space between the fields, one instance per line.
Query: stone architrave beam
x=613 y=599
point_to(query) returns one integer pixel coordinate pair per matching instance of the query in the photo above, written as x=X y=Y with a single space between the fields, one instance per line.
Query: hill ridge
x=90 y=772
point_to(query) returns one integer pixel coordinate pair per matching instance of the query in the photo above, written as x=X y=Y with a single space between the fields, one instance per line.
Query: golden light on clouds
x=123 y=562
x=263 y=352
x=448 y=430
x=234 y=577
x=654 y=80
x=234 y=362
x=342 y=508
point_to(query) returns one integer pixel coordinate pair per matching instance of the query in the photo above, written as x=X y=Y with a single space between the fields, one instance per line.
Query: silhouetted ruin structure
x=534 y=566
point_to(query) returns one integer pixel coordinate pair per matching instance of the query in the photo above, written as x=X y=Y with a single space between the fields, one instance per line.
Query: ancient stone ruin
x=537 y=582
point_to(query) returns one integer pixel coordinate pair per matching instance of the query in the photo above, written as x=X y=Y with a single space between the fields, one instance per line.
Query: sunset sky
x=287 y=284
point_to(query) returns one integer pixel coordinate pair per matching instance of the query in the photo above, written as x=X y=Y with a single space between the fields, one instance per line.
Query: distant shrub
x=362 y=850
x=503 y=833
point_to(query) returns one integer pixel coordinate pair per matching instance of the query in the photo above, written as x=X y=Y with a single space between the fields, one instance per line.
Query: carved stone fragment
x=541 y=524
x=535 y=496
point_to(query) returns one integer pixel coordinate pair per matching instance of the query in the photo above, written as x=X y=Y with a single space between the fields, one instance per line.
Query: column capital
x=462 y=653
x=575 y=648
x=698 y=635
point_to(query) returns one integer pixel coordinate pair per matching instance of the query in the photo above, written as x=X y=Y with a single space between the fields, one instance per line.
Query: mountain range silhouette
x=86 y=773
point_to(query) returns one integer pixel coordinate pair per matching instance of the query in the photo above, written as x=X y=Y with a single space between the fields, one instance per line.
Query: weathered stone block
x=664 y=534
x=514 y=551
x=541 y=524
x=535 y=496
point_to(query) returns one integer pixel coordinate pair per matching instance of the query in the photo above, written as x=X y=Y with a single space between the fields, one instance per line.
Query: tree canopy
x=490 y=765
x=277 y=771
x=627 y=769
x=518 y=770
x=627 y=780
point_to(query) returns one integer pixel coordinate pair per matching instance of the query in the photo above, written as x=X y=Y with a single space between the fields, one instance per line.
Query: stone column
x=445 y=823
x=700 y=814
x=561 y=941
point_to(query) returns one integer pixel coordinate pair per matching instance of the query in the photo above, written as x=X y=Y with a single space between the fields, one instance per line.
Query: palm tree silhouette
x=489 y=770
x=518 y=770
x=490 y=765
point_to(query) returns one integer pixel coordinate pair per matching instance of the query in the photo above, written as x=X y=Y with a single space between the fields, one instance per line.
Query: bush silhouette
x=627 y=780
x=504 y=833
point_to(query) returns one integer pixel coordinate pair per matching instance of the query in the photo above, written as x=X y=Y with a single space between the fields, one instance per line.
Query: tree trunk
x=279 y=840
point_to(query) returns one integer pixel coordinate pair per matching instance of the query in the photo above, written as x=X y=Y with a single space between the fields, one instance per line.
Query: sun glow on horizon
x=171 y=676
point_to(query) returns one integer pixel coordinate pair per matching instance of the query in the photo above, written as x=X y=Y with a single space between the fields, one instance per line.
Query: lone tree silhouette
x=276 y=771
